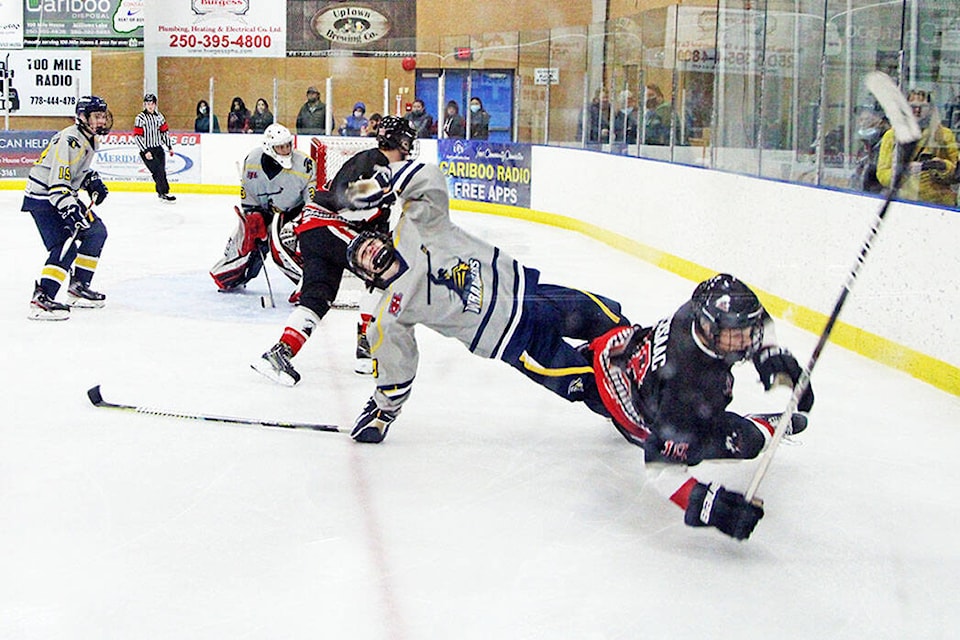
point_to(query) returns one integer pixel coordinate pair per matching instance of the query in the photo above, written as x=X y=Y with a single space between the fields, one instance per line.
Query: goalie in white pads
x=357 y=199
x=668 y=387
x=276 y=182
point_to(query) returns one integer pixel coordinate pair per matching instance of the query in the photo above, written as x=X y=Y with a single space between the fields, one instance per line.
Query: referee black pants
x=157 y=165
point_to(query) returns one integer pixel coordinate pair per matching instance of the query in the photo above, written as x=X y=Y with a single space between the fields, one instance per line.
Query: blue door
x=494 y=87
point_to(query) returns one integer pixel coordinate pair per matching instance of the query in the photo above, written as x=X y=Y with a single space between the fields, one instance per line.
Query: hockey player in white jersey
x=72 y=233
x=275 y=183
x=436 y=274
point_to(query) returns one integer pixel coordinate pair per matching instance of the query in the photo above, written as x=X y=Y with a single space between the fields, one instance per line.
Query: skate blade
x=267 y=371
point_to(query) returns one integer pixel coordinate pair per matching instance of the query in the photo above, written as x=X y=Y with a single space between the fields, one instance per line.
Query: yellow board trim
x=937 y=373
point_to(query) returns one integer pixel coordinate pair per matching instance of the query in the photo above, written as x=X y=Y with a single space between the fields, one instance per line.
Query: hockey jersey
x=62 y=168
x=450 y=281
x=265 y=184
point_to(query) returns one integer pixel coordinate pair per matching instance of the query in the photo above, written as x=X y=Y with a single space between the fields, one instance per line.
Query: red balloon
x=409 y=63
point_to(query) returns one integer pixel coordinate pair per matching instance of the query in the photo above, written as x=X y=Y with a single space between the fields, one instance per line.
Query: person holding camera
x=931 y=173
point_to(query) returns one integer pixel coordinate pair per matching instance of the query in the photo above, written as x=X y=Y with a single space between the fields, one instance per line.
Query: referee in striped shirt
x=150 y=131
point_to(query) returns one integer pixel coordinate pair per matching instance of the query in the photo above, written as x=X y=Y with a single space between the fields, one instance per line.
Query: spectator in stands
x=356 y=122
x=261 y=118
x=871 y=125
x=453 y=125
x=420 y=120
x=625 y=122
x=238 y=120
x=598 y=119
x=933 y=165
x=372 y=125
x=202 y=123
x=479 y=120
x=312 y=118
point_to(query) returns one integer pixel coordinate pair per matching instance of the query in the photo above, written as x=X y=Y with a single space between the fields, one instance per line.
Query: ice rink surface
x=492 y=510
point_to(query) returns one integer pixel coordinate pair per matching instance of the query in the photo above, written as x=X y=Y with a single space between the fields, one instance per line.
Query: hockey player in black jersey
x=668 y=387
x=334 y=217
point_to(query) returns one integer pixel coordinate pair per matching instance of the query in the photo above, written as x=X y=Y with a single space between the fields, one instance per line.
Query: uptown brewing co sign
x=351 y=25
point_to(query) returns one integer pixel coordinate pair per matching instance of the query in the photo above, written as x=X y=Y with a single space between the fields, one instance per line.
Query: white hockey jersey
x=453 y=283
x=62 y=167
x=264 y=183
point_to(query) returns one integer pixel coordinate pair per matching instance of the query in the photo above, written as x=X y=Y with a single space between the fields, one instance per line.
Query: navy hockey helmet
x=93 y=104
x=381 y=260
x=396 y=133
x=724 y=303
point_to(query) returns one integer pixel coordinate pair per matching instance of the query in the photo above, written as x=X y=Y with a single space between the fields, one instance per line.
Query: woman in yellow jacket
x=933 y=164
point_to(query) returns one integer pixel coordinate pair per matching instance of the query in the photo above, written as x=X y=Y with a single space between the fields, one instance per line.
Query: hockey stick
x=907 y=132
x=97 y=399
x=263 y=299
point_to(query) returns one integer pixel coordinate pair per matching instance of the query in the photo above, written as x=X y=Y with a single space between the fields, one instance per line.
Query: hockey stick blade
x=895 y=106
x=96 y=398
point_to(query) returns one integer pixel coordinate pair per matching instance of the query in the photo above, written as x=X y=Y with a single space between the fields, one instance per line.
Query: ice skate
x=82 y=296
x=43 y=307
x=166 y=198
x=364 y=362
x=798 y=421
x=275 y=365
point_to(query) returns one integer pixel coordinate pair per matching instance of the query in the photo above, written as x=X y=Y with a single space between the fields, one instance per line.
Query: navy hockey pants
x=538 y=348
x=67 y=254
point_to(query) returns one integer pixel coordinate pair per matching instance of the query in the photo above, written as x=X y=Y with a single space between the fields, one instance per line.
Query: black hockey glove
x=728 y=511
x=371 y=193
x=773 y=362
x=74 y=217
x=95 y=187
x=372 y=423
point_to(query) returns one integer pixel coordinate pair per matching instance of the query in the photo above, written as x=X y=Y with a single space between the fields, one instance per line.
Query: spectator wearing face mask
x=479 y=120
x=871 y=125
x=933 y=165
x=202 y=123
x=420 y=120
x=356 y=123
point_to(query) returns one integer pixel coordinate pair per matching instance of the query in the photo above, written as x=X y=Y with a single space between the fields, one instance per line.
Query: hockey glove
x=95 y=187
x=75 y=217
x=728 y=511
x=371 y=193
x=373 y=422
x=773 y=363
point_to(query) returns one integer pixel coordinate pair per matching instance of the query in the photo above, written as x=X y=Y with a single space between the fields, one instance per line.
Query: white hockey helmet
x=277 y=135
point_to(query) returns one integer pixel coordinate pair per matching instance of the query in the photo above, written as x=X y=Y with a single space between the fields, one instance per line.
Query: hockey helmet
x=150 y=97
x=93 y=104
x=396 y=133
x=380 y=261
x=277 y=135
x=728 y=317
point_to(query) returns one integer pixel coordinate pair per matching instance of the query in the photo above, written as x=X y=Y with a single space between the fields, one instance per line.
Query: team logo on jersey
x=394 y=307
x=575 y=387
x=463 y=279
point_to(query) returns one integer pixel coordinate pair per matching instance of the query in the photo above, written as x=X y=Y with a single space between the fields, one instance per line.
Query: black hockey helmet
x=93 y=104
x=724 y=302
x=396 y=133
x=381 y=261
x=150 y=97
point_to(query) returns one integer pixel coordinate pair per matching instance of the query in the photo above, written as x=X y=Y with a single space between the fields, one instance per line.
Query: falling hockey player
x=667 y=388
x=442 y=277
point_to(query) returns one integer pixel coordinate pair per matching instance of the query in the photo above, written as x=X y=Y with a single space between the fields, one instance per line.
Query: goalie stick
x=96 y=397
x=906 y=131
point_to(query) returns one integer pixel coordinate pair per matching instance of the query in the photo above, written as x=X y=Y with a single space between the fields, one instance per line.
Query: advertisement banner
x=486 y=171
x=348 y=27
x=19 y=150
x=119 y=159
x=11 y=25
x=225 y=28
x=83 y=23
x=44 y=82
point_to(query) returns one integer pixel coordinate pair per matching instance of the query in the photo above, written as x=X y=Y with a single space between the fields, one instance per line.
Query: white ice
x=492 y=510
